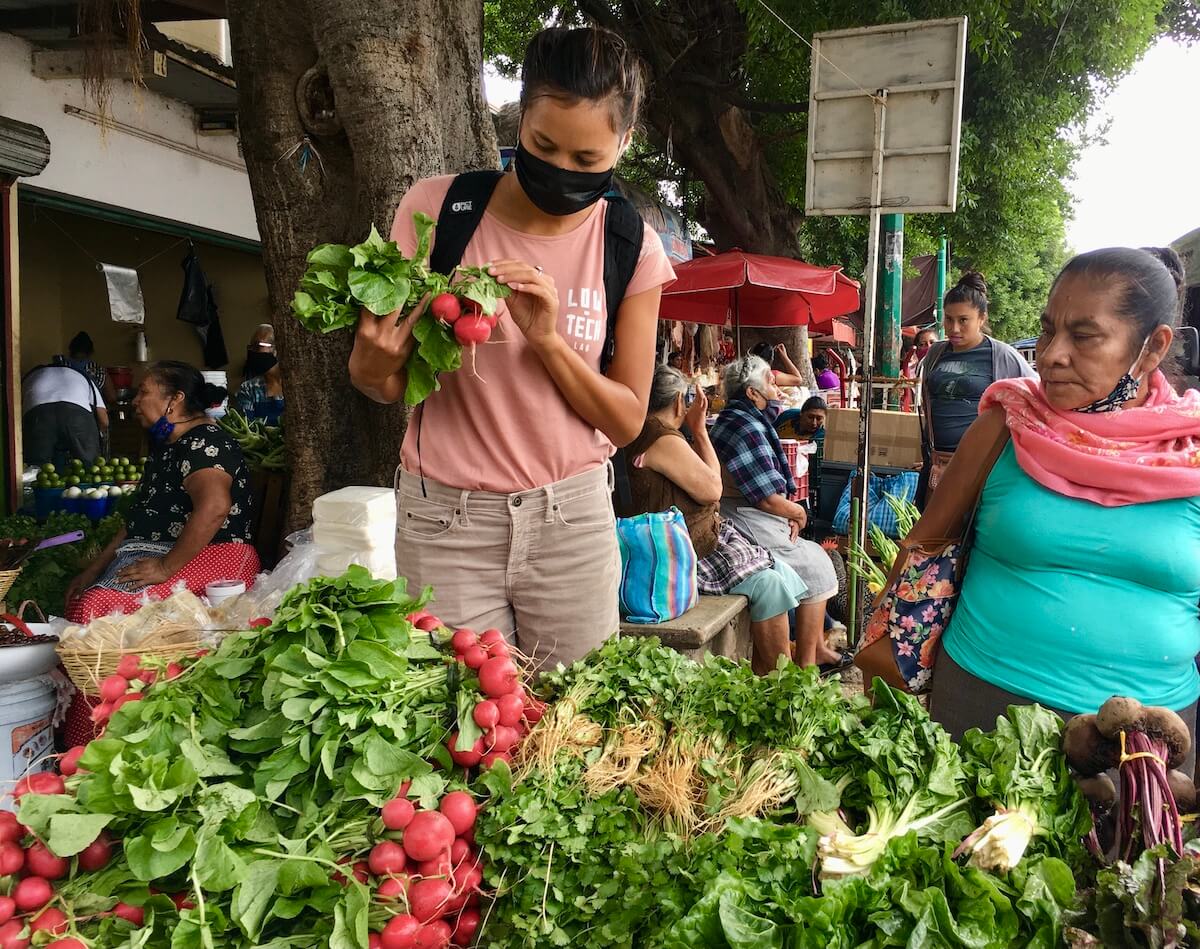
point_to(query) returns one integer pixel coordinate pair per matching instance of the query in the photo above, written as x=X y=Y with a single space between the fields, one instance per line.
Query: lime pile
x=105 y=471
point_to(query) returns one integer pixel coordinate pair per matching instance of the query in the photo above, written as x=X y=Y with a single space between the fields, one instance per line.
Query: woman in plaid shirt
x=667 y=472
x=756 y=497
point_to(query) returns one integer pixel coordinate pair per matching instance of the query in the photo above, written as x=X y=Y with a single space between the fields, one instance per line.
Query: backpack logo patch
x=458 y=207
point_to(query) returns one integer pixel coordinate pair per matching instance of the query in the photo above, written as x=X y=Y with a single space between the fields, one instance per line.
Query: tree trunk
x=343 y=104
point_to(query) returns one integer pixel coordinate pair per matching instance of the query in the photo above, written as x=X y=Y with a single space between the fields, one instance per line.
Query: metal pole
x=938 y=304
x=868 y=362
x=852 y=584
x=890 y=302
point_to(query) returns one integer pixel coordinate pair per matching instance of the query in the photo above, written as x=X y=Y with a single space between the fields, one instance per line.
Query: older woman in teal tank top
x=1084 y=577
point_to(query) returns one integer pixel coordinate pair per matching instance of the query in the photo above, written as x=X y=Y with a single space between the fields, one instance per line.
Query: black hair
x=820 y=363
x=587 y=63
x=814 y=404
x=82 y=344
x=927 y=329
x=972 y=289
x=1150 y=282
x=198 y=395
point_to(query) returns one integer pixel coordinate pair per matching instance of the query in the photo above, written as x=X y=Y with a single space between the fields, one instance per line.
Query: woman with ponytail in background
x=956 y=373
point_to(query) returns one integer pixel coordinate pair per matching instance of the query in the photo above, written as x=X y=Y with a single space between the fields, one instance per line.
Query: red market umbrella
x=757 y=290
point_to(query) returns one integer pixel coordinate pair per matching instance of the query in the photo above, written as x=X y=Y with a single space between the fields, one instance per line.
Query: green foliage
x=46 y=574
x=1035 y=72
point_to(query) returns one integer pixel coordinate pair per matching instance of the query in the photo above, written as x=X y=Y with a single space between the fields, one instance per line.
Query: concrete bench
x=717 y=624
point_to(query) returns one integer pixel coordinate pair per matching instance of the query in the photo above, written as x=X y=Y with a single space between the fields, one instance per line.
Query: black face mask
x=556 y=190
x=257 y=364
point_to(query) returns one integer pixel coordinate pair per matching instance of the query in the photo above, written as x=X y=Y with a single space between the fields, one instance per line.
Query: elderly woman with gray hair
x=667 y=472
x=757 y=485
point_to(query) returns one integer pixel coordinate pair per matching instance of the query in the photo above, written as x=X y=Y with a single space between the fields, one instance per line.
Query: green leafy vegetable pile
x=261 y=444
x=665 y=803
x=45 y=576
x=374 y=275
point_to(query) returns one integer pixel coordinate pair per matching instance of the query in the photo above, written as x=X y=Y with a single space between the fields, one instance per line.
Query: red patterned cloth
x=79 y=728
x=213 y=563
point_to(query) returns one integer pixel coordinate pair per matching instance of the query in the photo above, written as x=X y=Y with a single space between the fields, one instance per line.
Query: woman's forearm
x=704 y=448
x=108 y=554
x=201 y=527
x=609 y=406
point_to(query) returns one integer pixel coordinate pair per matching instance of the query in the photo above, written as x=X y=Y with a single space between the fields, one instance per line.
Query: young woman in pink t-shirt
x=504 y=493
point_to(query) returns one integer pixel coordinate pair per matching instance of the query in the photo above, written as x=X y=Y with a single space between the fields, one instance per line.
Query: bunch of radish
x=471 y=326
x=505 y=711
x=30 y=870
x=126 y=685
x=428 y=874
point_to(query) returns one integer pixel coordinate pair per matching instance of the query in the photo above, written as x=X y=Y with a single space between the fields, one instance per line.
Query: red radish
x=128 y=666
x=459 y=808
x=512 y=709
x=467 y=878
x=174 y=670
x=32 y=893
x=43 y=863
x=374 y=941
x=12 y=858
x=68 y=764
x=469 y=758
x=413 y=617
x=201 y=653
x=261 y=622
x=445 y=307
x=50 y=920
x=393 y=887
x=428 y=898
x=460 y=850
x=427 y=624
x=498 y=677
x=428 y=835
x=69 y=943
x=362 y=871
x=434 y=936
x=96 y=855
x=113 y=688
x=183 y=901
x=400 y=932
x=398 y=813
x=463 y=640
x=102 y=713
x=500 y=649
x=126 y=699
x=132 y=914
x=386 y=858
x=469 y=837
x=472 y=330
x=10 y=935
x=148 y=676
x=10 y=829
x=439 y=866
x=493 y=756
x=504 y=739
x=486 y=714
x=489 y=637
x=534 y=710
x=468 y=926
x=44 y=782
x=475 y=657
x=8 y=909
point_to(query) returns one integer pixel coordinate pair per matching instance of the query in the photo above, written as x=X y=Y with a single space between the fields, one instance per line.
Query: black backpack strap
x=460 y=215
x=623 y=234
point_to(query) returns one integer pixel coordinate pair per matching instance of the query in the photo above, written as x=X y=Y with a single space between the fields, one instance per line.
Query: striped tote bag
x=658 y=567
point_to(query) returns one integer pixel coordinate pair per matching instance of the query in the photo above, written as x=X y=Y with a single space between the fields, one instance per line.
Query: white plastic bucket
x=221 y=590
x=218 y=378
x=26 y=732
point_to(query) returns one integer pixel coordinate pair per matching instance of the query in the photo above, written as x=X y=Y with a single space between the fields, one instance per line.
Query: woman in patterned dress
x=190 y=524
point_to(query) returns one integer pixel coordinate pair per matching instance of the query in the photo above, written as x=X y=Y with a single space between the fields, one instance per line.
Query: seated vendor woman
x=190 y=521
x=667 y=472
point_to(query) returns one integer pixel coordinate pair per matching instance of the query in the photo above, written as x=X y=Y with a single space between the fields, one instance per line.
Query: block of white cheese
x=328 y=536
x=356 y=507
x=380 y=562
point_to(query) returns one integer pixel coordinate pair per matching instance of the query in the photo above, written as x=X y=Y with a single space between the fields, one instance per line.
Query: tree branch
x=600 y=12
x=734 y=98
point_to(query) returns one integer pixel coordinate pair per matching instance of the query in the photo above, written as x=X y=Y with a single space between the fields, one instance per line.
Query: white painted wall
x=117 y=167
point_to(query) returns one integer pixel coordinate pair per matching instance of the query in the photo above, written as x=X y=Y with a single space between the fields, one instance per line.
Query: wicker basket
x=7 y=579
x=89 y=663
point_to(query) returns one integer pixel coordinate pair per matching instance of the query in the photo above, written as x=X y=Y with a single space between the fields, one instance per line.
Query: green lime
x=101 y=461
x=73 y=481
x=48 y=468
x=123 y=462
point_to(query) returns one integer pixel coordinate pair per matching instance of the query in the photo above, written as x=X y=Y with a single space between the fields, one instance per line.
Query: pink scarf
x=1131 y=456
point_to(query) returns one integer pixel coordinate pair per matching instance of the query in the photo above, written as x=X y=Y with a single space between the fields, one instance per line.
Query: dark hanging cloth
x=198 y=306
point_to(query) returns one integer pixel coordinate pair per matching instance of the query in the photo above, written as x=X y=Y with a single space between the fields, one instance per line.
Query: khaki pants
x=542 y=566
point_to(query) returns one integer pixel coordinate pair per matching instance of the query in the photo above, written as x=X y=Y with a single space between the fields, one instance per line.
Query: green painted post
x=891 y=285
x=938 y=304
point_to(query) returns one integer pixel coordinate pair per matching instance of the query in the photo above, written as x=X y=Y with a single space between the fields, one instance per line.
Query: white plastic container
x=221 y=590
x=26 y=732
x=218 y=378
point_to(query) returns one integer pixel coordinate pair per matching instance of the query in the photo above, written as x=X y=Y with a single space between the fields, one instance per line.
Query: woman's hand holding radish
x=534 y=303
x=382 y=347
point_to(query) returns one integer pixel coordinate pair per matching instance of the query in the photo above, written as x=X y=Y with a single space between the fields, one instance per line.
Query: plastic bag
x=299 y=566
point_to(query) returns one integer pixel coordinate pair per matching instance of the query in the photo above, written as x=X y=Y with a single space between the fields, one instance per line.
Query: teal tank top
x=1068 y=603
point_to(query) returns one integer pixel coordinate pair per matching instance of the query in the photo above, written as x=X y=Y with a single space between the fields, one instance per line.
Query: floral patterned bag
x=900 y=642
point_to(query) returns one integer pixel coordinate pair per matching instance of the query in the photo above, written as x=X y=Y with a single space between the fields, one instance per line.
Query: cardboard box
x=895 y=438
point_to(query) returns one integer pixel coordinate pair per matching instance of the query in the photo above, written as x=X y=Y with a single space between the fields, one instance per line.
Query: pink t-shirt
x=506 y=428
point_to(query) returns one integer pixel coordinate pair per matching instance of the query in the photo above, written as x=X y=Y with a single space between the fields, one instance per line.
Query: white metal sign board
x=920 y=67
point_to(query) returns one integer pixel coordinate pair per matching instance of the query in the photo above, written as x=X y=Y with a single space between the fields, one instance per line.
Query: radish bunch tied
x=453 y=311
